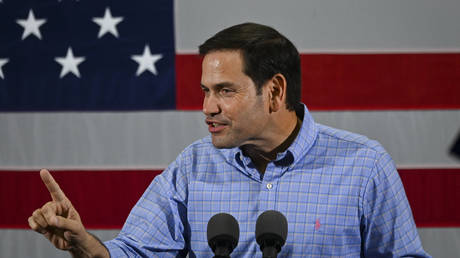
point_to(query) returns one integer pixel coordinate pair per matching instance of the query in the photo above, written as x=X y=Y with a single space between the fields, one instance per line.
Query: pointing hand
x=60 y=223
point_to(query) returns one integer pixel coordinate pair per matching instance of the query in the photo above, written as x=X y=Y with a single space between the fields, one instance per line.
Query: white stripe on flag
x=151 y=140
x=329 y=26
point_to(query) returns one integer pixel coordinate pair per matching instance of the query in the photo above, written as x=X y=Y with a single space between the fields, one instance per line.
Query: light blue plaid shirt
x=340 y=192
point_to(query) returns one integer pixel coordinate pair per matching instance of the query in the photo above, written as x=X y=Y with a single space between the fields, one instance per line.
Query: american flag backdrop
x=106 y=93
x=72 y=56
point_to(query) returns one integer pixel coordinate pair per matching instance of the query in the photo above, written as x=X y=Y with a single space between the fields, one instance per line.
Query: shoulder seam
x=354 y=142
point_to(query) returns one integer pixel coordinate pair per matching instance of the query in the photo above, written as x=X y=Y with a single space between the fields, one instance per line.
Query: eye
x=226 y=91
x=204 y=89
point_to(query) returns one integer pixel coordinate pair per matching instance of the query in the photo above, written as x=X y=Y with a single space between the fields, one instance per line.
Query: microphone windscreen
x=223 y=226
x=271 y=223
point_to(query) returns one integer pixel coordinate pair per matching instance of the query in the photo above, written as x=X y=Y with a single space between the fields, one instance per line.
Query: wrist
x=90 y=247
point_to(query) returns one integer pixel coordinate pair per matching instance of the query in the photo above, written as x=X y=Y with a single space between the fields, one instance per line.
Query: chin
x=222 y=144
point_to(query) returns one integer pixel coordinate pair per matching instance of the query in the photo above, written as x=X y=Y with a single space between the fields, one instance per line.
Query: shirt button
x=269 y=186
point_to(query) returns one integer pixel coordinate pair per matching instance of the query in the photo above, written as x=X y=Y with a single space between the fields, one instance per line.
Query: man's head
x=251 y=82
x=265 y=52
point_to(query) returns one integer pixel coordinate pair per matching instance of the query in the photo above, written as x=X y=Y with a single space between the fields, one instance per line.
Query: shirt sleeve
x=157 y=225
x=388 y=227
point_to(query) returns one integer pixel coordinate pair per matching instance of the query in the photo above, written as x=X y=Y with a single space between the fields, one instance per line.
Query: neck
x=289 y=130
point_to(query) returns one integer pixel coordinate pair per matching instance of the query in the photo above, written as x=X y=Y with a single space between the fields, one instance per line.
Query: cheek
x=233 y=108
x=245 y=111
x=252 y=118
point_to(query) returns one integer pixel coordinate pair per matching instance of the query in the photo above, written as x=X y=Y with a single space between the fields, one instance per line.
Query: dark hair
x=265 y=53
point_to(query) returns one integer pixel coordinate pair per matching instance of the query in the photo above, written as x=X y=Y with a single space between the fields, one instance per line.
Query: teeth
x=214 y=124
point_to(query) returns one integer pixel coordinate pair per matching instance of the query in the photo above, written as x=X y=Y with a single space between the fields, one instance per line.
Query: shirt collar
x=301 y=145
x=306 y=136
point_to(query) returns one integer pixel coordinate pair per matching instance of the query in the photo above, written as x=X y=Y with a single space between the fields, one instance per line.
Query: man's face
x=235 y=114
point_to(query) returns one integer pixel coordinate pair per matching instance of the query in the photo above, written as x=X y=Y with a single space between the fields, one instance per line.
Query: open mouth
x=215 y=127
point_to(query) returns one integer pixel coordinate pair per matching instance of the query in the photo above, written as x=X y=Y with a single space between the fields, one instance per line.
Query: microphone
x=271 y=232
x=223 y=234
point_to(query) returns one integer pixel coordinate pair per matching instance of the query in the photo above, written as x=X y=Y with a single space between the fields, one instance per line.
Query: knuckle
x=32 y=224
x=47 y=216
x=44 y=209
x=48 y=208
x=45 y=212
x=41 y=221
x=66 y=204
x=48 y=205
x=36 y=213
x=35 y=227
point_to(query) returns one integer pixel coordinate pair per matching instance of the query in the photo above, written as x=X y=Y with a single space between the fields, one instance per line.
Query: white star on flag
x=108 y=23
x=3 y=61
x=69 y=63
x=31 y=25
x=146 y=61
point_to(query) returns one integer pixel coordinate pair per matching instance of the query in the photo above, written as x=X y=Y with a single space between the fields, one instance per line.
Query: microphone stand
x=270 y=248
x=222 y=250
x=270 y=252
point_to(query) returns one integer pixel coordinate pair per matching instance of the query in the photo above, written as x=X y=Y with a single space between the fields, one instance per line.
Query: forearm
x=92 y=248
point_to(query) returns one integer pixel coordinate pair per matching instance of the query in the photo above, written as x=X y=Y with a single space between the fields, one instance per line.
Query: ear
x=277 y=92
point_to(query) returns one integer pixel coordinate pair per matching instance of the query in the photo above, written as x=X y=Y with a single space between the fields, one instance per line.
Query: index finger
x=55 y=191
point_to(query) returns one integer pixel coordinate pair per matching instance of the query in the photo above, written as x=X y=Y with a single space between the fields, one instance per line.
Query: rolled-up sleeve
x=157 y=224
x=388 y=226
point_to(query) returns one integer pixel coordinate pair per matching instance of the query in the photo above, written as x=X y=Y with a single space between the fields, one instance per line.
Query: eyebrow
x=220 y=85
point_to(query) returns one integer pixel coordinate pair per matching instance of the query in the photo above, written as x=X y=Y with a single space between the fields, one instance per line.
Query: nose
x=210 y=105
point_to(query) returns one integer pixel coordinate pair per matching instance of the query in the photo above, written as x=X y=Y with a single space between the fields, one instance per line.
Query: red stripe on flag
x=188 y=80
x=434 y=196
x=104 y=198
x=356 y=81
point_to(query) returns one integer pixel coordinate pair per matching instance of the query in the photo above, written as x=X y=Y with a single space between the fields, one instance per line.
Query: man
x=339 y=191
